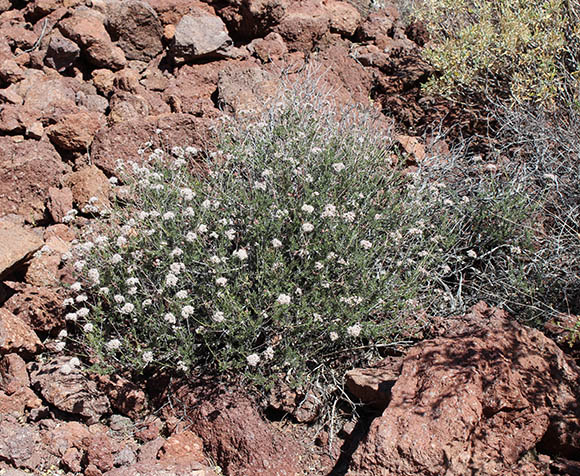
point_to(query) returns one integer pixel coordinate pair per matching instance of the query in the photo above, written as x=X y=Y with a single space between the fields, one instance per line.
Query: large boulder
x=199 y=35
x=475 y=402
x=246 y=90
x=16 y=336
x=68 y=389
x=27 y=170
x=85 y=27
x=75 y=132
x=136 y=28
x=17 y=244
x=248 y=19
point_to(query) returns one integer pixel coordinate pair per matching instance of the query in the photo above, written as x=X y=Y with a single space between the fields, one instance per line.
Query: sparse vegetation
x=515 y=50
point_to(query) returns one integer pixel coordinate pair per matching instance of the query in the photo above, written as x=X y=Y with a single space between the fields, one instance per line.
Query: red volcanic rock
x=247 y=19
x=86 y=29
x=136 y=27
x=27 y=170
x=74 y=132
x=184 y=446
x=61 y=53
x=13 y=374
x=16 y=336
x=39 y=307
x=71 y=392
x=246 y=90
x=88 y=184
x=20 y=446
x=344 y=17
x=59 y=202
x=304 y=24
x=17 y=244
x=373 y=385
x=242 y=443
x=474 y=402
x=268 y=48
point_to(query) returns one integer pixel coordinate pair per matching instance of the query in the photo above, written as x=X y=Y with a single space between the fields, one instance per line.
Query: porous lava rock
x=475 y=402
x=29 y=169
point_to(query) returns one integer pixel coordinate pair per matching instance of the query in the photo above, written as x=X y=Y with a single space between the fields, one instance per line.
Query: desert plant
x=295 y=251
x=516 y=50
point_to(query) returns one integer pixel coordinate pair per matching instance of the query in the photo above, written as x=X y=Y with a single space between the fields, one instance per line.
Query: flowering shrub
x=523 y=51
x=297 y=250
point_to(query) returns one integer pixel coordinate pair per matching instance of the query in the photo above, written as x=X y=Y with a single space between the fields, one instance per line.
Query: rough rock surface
x=199 y=35
x=69 y=391
x=16 y=336
x=474 y=402
x=28 y=170
x=238 y=438
x=39 y=307
x=17 y=244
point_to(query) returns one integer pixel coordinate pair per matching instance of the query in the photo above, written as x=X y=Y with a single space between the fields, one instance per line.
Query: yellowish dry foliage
x=518 y=50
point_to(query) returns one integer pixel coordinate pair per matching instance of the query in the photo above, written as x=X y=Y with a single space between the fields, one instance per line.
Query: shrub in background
x=300 y=251
x=517 y=50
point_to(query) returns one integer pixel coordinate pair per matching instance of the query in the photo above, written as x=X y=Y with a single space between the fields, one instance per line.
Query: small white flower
x=329 y=211
x=116 y=258
x=268 y=353
x=349 y=216
x=74 y=362
x=283 y=299
x=88 y=327
x=59 y=346
x=171 y=280
x=168 y=216
x=94 y=275
x=119 y=299
x=241 y=254
x=472 y=254
x=267 y=173
x=187 y=193
x=132 y=281
x=191 y=237
x=187 y=311
x=260 y=186
x=333 y=336
x=218 y=316
x=176 y=268
x=147 y=357
x=189 y=212
x=127 y=308
x=121 y=241
x=307 y=227
x=307 y=208
x=354 y=330
x=113 y=344
x=68 y=302
x=146 y=302
x=206 y=203
x=71 y=316
x=253 y=360
x=83 y=312
x=276 y=243
x=230 y=234
x=81 y=298
x=113 y=180
x=214 y=235
x=170 y=318
x=63 y=334
x=79 y=265
x=367 y=245
x=176 y=252
x=65 y=369
x=516 y=250
x=338 y=167
x=221 y=281
x=132 y=291
x=181 y=294
x=202 y=228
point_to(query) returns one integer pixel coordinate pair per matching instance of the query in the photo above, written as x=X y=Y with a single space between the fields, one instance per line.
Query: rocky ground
x=86 y=83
